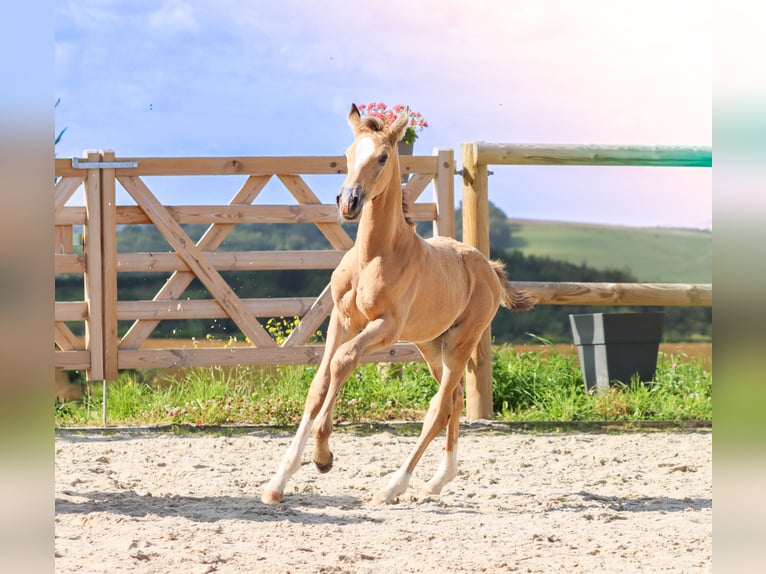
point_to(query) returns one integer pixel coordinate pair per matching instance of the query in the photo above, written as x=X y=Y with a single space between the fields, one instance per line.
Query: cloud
x=173 y=17
x=264 y=78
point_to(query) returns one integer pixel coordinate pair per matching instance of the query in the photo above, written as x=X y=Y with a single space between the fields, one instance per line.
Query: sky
x=263 y=78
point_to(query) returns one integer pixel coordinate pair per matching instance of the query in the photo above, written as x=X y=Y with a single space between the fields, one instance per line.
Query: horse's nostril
x=354 y=201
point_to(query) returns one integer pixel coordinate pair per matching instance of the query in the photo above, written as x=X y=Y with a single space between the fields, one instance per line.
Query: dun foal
x=393 y=285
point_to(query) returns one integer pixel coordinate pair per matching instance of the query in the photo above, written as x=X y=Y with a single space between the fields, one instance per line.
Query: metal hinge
x=78 y=164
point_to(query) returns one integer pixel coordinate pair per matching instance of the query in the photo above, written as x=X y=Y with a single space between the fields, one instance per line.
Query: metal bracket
x=460 y=172
x=77 y=164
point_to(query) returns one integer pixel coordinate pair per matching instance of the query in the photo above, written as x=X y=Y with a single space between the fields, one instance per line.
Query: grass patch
x=537 y=385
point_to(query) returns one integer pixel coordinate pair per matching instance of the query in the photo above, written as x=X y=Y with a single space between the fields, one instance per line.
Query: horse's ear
x=354 y=118
x=399 y=126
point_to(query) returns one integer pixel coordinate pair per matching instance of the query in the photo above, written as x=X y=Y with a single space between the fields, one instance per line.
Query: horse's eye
x=383 y=158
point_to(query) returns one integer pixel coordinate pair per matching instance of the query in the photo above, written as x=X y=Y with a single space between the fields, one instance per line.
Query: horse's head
x=372 y=160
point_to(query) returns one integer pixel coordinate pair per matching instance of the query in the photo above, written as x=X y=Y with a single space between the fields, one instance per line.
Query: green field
x=652 y=254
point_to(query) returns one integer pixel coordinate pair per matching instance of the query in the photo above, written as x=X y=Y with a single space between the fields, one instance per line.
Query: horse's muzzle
x=349 y=201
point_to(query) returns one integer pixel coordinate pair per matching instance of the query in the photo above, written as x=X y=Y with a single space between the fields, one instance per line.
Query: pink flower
x=415 y=124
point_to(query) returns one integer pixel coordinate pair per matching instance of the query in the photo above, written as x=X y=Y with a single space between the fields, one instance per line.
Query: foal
x=394 y=285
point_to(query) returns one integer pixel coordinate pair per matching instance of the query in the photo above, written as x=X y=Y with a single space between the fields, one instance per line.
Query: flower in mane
x=380 y=110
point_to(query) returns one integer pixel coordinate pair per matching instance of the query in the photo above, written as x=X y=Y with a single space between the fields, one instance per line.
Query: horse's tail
x=512 y=298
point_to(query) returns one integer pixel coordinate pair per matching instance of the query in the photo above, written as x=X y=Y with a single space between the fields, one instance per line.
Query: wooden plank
x=656 y=294
x=109 y=266
x=235 y=165
x=71 y=215
x=444 y=194
x=72 y=360
x=62 y=167
x=312 y=320
x=94 y=296
x=232 y=214
x=299 y=355
x=416 y=185
x=64 y=189
x=180 y=280
x=64 y=239
x=552 y=154
x=210 y=309
x=423 y=212
x=219 y=165
x=66 y=340
x=243 y=165
x=334 y=233
x=194 y=258
x=231 y=260
x=70 y=310
x=70 y=262
x=418 y=164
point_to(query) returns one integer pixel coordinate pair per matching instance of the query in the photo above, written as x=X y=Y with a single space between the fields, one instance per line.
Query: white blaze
x=364 y=149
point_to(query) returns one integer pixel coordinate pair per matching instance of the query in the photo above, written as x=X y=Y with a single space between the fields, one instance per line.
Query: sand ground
x=636 y=501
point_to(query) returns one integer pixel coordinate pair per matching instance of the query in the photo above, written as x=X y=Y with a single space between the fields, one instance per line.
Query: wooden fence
x=103 y=351
x=477 y=156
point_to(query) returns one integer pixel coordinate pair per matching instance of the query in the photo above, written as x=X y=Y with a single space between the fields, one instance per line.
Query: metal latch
x=78 y=164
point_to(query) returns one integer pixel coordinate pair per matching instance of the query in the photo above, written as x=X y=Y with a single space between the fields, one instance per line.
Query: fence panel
x=476 y=156
x=74 y=352
x=106 y=348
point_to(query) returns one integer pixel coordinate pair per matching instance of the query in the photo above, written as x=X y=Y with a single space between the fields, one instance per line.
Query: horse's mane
x=406 y=204
x=372 y=124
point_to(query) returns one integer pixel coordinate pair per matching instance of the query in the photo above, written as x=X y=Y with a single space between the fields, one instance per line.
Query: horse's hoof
x=271 y=497
x=430 y=490
x=324 y=467
x=384 y=497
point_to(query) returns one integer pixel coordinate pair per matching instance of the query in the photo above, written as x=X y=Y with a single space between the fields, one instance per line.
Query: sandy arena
x=636 y=501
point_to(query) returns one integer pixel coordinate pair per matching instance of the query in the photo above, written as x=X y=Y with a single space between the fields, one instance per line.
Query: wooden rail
x=629 y=294
x=544 y=154
x=476 y=156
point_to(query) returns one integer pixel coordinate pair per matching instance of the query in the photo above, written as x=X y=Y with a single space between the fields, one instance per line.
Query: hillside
x=652 y=254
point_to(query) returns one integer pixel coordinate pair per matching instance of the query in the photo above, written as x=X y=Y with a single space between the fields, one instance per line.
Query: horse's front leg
x=376 y=335
x=291 y=461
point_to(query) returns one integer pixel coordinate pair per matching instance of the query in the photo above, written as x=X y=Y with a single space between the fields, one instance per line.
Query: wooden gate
x=103 y=350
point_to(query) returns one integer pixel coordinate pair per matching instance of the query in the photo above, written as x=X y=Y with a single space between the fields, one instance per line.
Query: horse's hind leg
x=448 y=467
x=437 y=417
x=432 y=353
x=456 y=346
x=456 y=350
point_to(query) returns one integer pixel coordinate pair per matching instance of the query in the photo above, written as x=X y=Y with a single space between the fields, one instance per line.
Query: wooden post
x=109 y=266
x=476 y=233
x=444 y=193
x=94 y=328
